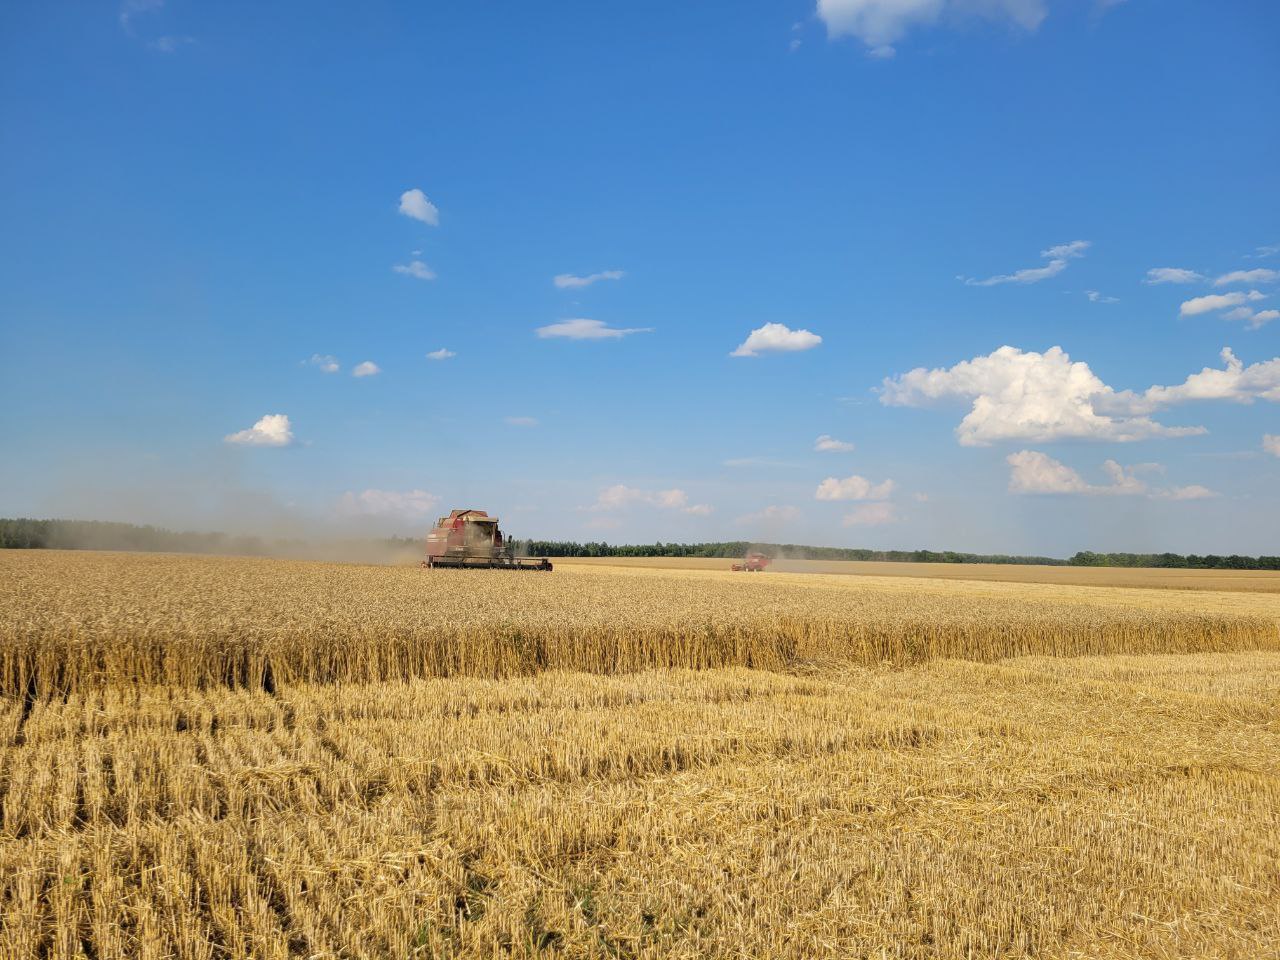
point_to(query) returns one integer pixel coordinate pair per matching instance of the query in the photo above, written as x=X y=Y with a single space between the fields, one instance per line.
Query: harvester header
x=471 y=538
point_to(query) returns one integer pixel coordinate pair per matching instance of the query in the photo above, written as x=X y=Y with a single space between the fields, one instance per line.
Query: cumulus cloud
x=1217 y=301
x=273 y=430
x=366 y=369
x=416 y=269
x=776 y=338
x=568 y=281
x=583 y=329
x=1024 y=395
x=620 y=497
x=870 y=515
x=1271 y=443
x=441 y=354
x=1234 y=382
x=853 y=488
x=1172 y=275
x=770 y=514
x=324 y=362
x=1057 y=257
x=881 y=23
x=829 y=444
x=413 y=504
x=414 y=203
x=520 y=421
x=1259 y=275
x=1096 y=297
x=1033 y=472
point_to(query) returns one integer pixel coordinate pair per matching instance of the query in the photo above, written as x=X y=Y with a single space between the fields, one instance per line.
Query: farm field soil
x=212 y=758
x=1265 y=581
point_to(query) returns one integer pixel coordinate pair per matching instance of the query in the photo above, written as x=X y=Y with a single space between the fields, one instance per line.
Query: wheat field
x=211 y=758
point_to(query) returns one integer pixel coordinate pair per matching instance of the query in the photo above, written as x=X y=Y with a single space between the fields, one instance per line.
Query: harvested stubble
x=75 y=622
x=1116 y=807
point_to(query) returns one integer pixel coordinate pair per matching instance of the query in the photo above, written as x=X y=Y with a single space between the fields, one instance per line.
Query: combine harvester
x=471 y=539
x=752 y=563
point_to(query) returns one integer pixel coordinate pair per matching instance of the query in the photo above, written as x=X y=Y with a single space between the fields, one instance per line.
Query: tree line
x=739 y=548
x=1190 y=561
x=23 y=533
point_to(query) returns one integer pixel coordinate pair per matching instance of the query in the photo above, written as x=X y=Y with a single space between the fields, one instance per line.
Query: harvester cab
x=471 y=538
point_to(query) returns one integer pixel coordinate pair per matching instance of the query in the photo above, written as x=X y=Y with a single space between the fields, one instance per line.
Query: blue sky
x=197 y=199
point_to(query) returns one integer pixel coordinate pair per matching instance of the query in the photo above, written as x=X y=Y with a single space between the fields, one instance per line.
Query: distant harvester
x=471 y=539
x=753 y=563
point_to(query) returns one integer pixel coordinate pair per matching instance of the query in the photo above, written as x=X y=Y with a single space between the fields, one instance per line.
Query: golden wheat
x=866 y=795
x=76 y=621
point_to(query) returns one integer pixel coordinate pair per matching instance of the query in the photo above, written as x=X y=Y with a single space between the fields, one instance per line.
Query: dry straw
x=77 y=622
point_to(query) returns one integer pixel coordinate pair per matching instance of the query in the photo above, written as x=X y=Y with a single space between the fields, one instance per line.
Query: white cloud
x=1261 y=253
x=1172 y=275
x=1217 y=301
x=770 y=514
x=583 y=329
x=441 y=354
x=1033 y=472
x=620 y=496
x=1019 y=395
x=273 y=430
x=170 y=43
x=1193 y=492
x=1028 y=275
x=1260 y=275
x=880 y=23
x=568 y=281
x=884 y=51
x=326 y=363
x=870 y=515
x=1235 y=382
x=414 y=203
x=1066 y=251
x=414 y=504
x=829 y=444
x=853 y=488
x=1057 y=257
x=1271 y=443
x=416 y=269
x=131 y=8
x=520 y=421
x=1096 y=297
x=776 y=338
x=1256 y=319
x=366 y=369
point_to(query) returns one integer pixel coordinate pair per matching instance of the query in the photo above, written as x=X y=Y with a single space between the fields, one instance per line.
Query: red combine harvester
x=752 y=563
x=471 y=538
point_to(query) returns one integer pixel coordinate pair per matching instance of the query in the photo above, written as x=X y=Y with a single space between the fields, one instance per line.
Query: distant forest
x=99 y=535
